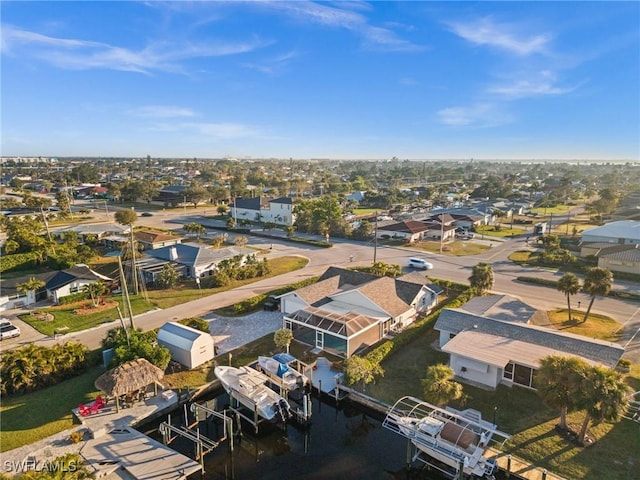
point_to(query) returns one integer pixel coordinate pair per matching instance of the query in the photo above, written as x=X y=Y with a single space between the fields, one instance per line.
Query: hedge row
x=17 y=261
x=73 y=298
x=251 y=304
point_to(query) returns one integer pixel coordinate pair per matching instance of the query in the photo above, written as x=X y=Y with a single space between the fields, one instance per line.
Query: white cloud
x=213 y=131
x=373 y=37
x=275 y=64
x=478 y=115
x=537 y=84
x=76 y=54
x=162 y=111
x=486 y=31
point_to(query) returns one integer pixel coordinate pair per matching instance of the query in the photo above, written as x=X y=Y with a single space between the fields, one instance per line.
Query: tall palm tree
x=481 y=278
x=439 y=387
x=558 y=381
x=569 y=285
x=597 y=281
x=604 y=394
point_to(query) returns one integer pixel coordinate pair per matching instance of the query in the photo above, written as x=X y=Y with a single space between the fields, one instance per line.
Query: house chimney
x=173 y=253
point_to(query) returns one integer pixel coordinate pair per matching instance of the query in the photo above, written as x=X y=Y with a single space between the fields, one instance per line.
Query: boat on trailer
x=285 y=375
x=457 y=439
x=249 y=387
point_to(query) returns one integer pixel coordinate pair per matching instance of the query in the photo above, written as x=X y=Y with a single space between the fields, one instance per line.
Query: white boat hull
x=248 y=387
x=282 y=374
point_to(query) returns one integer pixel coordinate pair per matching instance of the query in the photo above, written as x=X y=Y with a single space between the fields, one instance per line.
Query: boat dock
x=110 y=446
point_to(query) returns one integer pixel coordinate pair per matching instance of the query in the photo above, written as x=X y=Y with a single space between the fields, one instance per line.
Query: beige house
x=346 y=311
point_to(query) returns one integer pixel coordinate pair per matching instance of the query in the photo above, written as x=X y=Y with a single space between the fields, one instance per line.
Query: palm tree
x=604 y=394
x=558 y=383
x=569 y=285
x=597 y=281
x=439 y=387
x=31 y=285
x=481 y=278
x=95 y=290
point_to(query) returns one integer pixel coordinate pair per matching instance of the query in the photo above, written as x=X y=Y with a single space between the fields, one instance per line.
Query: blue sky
x=347 y=79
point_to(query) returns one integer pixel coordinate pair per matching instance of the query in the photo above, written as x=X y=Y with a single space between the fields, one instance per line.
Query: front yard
x=65 y=320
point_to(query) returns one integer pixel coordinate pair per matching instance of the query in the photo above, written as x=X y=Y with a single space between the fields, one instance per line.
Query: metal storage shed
x=188 y=346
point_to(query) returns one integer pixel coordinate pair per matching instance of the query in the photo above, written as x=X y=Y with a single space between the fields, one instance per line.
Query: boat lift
x=203 y=444
x=448 y=449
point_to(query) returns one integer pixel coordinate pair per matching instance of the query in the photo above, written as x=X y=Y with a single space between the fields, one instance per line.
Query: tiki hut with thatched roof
x=130 y=377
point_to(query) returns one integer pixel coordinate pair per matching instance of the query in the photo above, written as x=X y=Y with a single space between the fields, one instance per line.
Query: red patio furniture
x=83 y=410
x=99 y=401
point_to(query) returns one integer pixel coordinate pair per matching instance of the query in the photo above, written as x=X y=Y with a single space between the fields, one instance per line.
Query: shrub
x=197 y=323
x=18 y=261
x=76 y=437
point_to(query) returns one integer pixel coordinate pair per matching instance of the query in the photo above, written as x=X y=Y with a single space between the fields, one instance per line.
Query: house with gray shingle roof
x=194 y=260
x=347 y=310
x=71 y=281
x=490 y=341
x=261 y=209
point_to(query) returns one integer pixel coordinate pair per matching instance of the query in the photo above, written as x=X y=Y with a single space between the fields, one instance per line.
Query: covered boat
x=456 y=440
x=283 y=373
x=249 y=387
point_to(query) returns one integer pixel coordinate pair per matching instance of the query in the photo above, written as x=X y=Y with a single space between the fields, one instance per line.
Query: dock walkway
x=110 y=446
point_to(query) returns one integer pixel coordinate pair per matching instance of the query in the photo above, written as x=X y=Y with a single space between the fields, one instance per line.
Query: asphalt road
x=456 y=269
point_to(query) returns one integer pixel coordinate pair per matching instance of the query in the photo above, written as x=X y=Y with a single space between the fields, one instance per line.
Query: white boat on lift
x=457 y=439
x=282 y=373
x=249 y=387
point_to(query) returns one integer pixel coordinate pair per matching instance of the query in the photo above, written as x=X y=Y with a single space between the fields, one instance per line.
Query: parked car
x=271 y=304
x=420 y=263
x=465 y=235
x=8 y=330
x=146 y=214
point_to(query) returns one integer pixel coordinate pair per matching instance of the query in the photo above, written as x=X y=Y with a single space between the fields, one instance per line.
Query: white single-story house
x=490 y=342
x=188 y=346
x=625 y=260
x=194 y=260
x=620 y=232
x=71 y=281
x=98 y=231
x=346 y=311
x=260 y=209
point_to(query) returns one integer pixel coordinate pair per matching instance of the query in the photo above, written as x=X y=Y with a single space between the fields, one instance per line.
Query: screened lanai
x=338 y=333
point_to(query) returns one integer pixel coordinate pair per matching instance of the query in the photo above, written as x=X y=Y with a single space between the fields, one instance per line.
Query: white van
x=420 y=263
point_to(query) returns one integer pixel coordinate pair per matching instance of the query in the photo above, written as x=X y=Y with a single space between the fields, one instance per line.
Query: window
x=74 y=289
x=508 y=371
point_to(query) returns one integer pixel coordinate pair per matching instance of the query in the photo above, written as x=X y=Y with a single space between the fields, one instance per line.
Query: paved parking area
x=232 y=332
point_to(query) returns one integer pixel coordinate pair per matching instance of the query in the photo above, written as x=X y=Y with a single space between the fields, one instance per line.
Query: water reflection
x=343 y=443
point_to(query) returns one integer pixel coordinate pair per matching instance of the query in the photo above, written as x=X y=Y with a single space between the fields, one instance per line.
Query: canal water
x=343 y=442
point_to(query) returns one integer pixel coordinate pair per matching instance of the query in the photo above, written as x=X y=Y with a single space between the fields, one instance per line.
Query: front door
x=319 y=339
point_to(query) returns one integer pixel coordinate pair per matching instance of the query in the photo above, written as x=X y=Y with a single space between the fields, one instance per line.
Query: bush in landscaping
x=33 y=367
x=73 y=298
x=197 y=323
x=17 y=261
x=136 y=345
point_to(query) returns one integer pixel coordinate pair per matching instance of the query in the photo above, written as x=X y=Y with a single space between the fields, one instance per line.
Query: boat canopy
x=282 y=369
x=284 y=357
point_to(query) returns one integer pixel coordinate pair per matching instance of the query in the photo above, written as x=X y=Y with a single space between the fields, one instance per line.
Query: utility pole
x=441 y=231
x=184 y=204
x=134 y=270
x=125 y=290
x=375 y=241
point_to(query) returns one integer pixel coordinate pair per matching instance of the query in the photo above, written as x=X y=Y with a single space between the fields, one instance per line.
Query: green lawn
x=34 y=416
x=596 y=326
x=503 y=230
x=365 y=211
x=456 y=249
x=64 y=316
x=558 y=209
